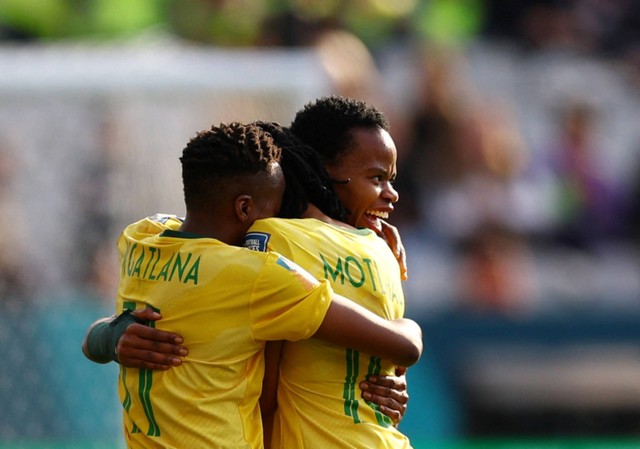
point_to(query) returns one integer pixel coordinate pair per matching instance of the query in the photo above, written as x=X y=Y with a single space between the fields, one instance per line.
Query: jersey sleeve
x=287 y=302
x=266 y=235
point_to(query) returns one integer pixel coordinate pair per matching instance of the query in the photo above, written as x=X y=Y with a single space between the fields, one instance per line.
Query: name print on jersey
x=144 y=263
x=357 y=273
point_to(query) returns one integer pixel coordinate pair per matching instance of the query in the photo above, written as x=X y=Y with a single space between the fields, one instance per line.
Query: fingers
x=392 y=404
x=147 y=360
x=158 y=356
x=397 y=392
x=402 y=261
x=387 y=384
x=389 y=393
x=154 y=336
x=143 y=347
x=147 y=314
x=395 y=415
x=392 y=237
x=400 y=253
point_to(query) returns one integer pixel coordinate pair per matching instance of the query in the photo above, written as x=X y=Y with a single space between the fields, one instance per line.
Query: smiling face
x=370 y=165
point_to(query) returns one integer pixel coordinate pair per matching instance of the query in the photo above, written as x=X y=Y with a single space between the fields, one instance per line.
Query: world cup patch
x=256 y=241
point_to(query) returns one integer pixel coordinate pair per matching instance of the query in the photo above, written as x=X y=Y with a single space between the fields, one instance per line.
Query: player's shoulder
x=152 y=225
x=263 y=230
x=275 y=223
x=169 y=221
x=281 y=267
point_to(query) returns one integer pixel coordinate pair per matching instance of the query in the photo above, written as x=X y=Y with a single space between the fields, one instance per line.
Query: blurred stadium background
x=517 y=125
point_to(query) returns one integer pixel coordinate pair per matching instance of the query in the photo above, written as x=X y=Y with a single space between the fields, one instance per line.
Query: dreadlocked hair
x=222 y=152
x=325 y=124
x=307 y=180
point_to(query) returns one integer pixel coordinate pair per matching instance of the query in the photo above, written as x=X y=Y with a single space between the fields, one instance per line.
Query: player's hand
x=391 y=235
x=141 y=346
x=389 y=392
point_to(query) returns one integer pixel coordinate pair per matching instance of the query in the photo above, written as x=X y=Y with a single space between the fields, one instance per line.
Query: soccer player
x=226 y=301
x=318 y=400
x=313 y=396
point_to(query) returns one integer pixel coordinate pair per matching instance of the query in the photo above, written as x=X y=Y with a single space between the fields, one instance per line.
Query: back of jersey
x=224 y=301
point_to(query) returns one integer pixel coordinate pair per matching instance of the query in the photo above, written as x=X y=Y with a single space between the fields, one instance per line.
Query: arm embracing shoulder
x=350 y=325
x=128 y=340
x=99 y=345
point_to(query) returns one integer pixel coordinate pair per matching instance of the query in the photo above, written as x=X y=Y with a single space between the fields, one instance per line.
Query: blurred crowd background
x=517 y=128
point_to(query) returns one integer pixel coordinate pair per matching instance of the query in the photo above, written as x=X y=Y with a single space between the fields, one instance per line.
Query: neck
x=215 y=229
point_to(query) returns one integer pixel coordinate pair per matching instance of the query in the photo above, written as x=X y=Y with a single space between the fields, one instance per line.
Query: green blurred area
x=239 y=22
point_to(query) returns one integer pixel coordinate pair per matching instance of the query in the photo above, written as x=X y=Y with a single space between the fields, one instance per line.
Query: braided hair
x=307 y=180
x=326 y=124
x=213 y=157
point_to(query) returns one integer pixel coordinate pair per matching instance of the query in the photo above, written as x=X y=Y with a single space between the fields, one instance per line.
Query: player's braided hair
x=307 y=180
x=222 y=152
x=325 y=124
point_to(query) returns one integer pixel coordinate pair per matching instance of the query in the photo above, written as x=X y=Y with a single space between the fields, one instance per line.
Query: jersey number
x=349 y=391
x=145 y=381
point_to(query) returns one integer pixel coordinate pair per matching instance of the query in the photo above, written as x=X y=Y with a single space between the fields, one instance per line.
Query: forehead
x=370 y=144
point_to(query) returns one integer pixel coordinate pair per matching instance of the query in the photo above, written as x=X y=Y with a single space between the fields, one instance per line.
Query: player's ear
x=244 y=207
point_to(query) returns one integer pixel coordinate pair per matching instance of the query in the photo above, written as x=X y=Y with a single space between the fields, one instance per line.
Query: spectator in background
x=431 y=157
x=349 y=64
x=588 y=207
x=495 y=271
x=465 y=156
x=464 y=169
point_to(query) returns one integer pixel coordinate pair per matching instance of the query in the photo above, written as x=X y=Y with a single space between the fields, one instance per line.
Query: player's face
x=370 y=165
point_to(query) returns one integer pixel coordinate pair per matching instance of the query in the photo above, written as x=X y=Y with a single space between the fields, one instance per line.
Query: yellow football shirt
x=225 y=301
x=320 y=404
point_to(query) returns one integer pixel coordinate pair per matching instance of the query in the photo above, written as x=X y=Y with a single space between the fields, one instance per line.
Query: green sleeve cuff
x=103 y=337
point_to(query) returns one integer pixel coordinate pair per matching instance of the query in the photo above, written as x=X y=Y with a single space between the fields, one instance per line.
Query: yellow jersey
x=225 y=301
x=320 y=404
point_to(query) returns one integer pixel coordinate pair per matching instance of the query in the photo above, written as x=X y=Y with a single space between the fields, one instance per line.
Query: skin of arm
x=346 y=324
x=140 y=346
x=350 y=325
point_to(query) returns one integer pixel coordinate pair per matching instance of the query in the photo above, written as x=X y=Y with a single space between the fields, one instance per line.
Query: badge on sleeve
x=256 y=241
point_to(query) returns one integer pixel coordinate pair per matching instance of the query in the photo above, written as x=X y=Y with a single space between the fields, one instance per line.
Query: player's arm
x=389 y=393
x=345 y=323
x=391 y=235
x=350 y=325
x=269 y=395
x=128 y=340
